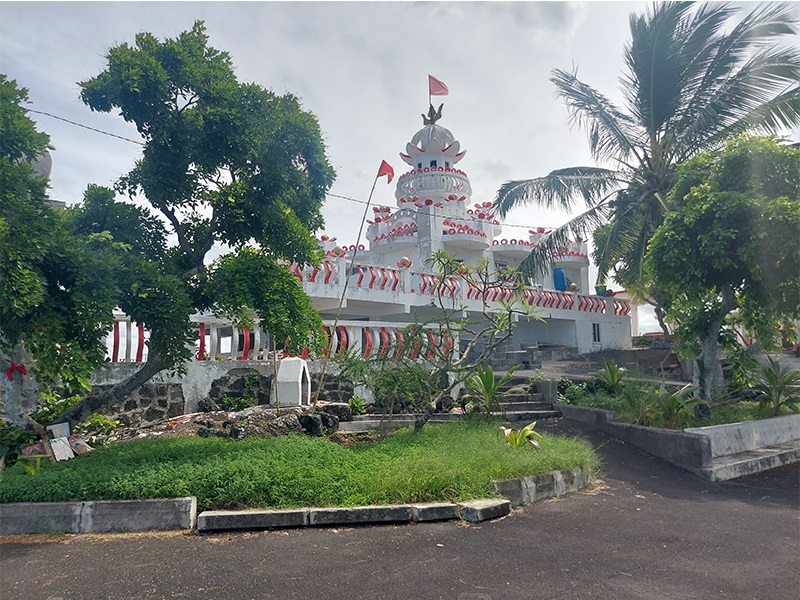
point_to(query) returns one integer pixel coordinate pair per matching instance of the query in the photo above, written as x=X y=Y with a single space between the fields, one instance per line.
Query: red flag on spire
x=386 y=169
x=436 y=87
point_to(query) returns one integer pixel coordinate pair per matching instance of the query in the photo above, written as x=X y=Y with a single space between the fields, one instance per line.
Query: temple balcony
x=433 y=181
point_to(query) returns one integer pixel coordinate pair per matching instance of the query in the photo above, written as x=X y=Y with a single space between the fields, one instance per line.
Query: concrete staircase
x=525 y=401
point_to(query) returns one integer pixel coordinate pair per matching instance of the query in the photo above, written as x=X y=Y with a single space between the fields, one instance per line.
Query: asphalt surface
x=646 y=530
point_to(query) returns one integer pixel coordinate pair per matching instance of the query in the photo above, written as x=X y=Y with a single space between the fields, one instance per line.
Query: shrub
x=237 y=403
x=357 y=405
x=775 y=383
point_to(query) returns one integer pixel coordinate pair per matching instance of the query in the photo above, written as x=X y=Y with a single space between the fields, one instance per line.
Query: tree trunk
x=21 y=395
x=659 y=312
x=91 y=404
x=708 y=377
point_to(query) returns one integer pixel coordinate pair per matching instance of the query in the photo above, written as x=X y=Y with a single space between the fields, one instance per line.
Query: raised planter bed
x=714 y=453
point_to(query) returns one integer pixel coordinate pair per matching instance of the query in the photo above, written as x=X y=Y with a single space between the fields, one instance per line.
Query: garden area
x=758 y=391
x=448 y=462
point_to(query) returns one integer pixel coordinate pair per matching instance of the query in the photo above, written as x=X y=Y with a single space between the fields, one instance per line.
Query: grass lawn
x=448 y=462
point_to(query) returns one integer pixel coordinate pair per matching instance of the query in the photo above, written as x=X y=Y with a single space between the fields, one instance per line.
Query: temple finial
x=433 y=115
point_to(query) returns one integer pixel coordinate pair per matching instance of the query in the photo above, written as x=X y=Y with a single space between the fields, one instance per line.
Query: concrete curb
x=181 y=513
x=100 y=516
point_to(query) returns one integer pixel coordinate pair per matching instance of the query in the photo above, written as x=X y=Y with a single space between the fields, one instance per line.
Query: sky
x=361 y=67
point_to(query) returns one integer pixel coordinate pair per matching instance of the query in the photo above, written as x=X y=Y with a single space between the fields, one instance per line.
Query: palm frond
x=750 y=85
x=550 y=246
x=559 y=189
x=612 y=133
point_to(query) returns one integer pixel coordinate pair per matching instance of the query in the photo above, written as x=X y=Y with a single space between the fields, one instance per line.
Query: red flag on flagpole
x=436 y=87
x=386 y=169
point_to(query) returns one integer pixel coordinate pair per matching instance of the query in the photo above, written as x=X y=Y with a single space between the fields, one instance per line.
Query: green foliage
x=452 y=462
x=405 y=389
x=95 y=425
x=730 y=244
x=224 y=162
x=673 y=408
x=357 y=405
x=253 y=380
x=52 y=405
x=516 y=438
x=237 y=403
x=778 y=386
x=30 y=464
x=482 y=393
x=611 y=377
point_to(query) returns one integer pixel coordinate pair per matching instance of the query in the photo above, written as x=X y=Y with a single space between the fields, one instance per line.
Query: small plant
x=357 y=405
x=97 y=425
x=674 y=408
x=519 y=437
x=775 y=383
x=253 y=380
x=611 y=377
x=483 y=392
x=638 y=403
x=30 y=464
x=237 y=403
x=575 y=393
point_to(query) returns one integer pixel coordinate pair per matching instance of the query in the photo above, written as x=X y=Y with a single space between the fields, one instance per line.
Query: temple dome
x=429 y=133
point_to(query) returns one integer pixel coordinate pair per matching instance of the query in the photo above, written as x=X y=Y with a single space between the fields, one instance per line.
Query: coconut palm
x=690 y=85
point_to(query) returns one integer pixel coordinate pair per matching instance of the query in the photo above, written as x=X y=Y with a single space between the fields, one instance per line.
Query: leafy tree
x=223 y=162
x=57 y=289
x=694 y=79
x=731 y=243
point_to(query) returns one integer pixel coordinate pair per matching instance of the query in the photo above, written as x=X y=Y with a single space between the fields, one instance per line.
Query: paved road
x=648 y=531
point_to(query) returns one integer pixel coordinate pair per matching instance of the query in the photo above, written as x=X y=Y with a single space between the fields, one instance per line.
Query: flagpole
x=344 y=292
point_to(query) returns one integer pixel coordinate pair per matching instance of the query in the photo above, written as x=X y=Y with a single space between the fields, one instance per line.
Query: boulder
x=341 y=410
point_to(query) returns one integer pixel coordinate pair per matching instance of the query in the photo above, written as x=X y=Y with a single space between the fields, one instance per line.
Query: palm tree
x=690 y=85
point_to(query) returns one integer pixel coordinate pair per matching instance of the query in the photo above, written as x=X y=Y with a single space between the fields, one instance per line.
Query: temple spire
x=433 y=115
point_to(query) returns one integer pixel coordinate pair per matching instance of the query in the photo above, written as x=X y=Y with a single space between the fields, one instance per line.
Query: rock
x=340 y=410
x=312 y=424
x=207 y=405
x=330 y=423
x=282 y=425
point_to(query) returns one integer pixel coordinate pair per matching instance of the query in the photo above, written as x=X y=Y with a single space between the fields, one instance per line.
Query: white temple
x=383 y=285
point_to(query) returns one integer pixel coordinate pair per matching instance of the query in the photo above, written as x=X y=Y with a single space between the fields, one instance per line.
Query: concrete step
x=522 y=405
x=754 y=461
x=527 y=415
x=531 y=397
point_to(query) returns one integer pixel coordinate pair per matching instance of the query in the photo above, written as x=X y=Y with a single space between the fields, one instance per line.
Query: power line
x=46 y=114
x=39 y=112
x=465 y=220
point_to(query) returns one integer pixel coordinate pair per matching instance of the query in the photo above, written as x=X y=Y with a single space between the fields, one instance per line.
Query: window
x=419 y=166
x=433 y=164
x=446 y=165
x=596 y=333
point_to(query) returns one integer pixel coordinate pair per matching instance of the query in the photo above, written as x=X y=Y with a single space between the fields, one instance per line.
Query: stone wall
x=151 y=403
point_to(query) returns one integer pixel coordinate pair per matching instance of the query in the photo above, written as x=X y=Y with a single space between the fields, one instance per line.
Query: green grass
x=452 y=462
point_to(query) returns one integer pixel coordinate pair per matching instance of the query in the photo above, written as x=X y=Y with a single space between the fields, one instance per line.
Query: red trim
x=368 y=342
x=400 y=343
x=384 y=342
x=115 y=344
x=396 y=276
x=329 y=271
x=246 y=343
x=201 y=353
x=360 y=275
x=140 y=342
x=373 y=275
